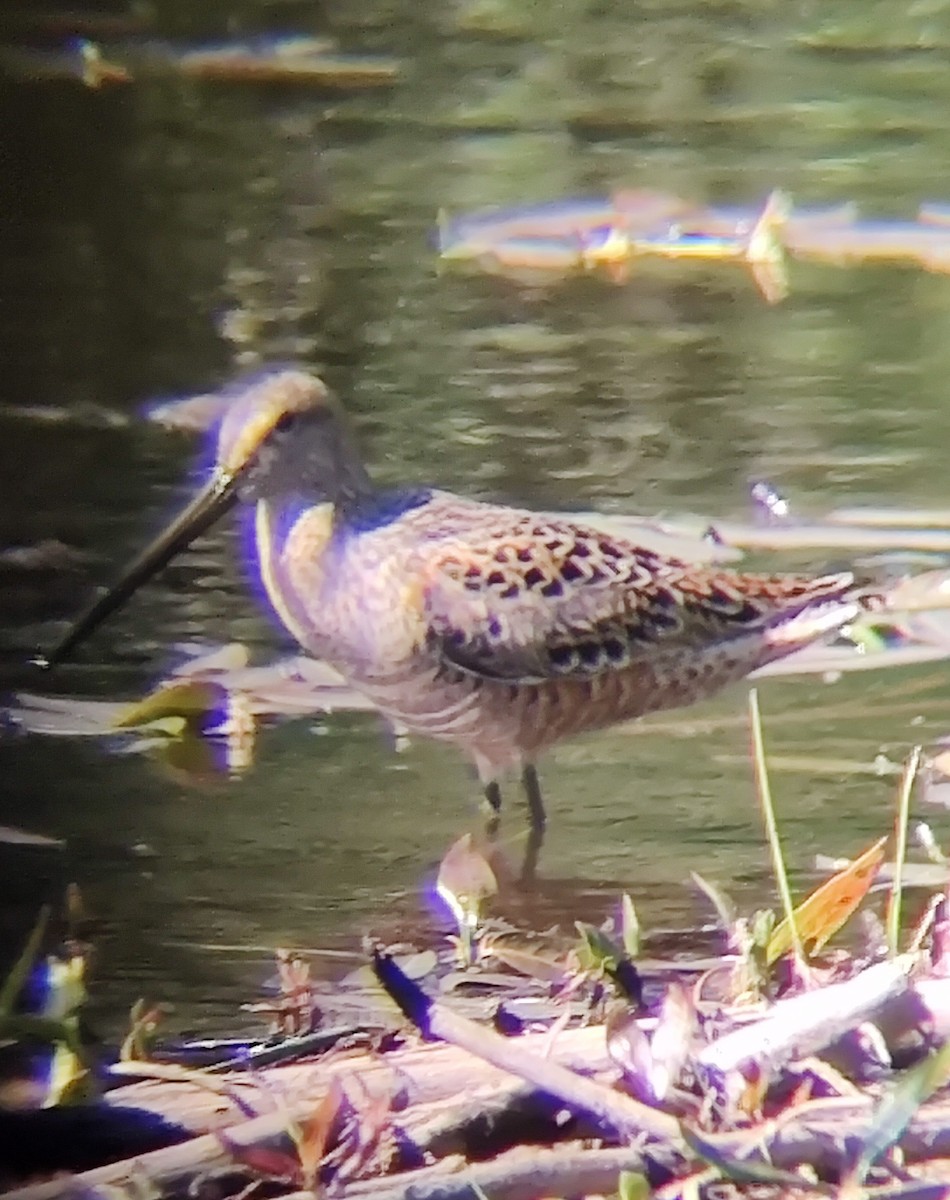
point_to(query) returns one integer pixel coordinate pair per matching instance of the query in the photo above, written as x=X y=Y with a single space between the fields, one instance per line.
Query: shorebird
x=497 y=629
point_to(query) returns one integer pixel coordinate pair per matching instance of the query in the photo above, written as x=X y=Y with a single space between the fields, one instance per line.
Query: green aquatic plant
x=56 y=1023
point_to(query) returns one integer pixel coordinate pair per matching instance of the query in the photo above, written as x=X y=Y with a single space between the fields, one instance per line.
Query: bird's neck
x=351 y=484
x=319 y=465
x=290 y=541
x=375 y=509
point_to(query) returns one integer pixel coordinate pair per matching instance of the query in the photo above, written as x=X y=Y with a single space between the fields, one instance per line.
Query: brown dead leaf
x=368 y=1136
x=629 y=1047
x=822 y=913
x=755 y=1085
x=670 y=1045
x=465 y=879
x=312 y=1134
x=543 y=967
x=267 y=1161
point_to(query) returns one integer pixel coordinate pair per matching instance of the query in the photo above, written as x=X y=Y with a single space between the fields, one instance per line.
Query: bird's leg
x=493 y=804
x=532 y=791
x=493 y=796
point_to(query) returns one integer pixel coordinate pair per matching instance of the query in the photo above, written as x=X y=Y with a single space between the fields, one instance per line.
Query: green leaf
x=630 y=926
x=39 y=1029
x=892 y=918
x=742 y=1170
x=763 y=922
x=897 y=1108
x=725 y=909
x=633 y=1186
x=69 y=1079
x=598 y=951
x=179 y=703
x=20 y=971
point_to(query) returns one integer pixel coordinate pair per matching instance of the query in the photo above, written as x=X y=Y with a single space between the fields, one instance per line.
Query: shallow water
x=156 y=236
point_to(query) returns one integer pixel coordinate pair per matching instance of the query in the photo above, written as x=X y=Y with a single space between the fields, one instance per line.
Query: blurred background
x=159 y=232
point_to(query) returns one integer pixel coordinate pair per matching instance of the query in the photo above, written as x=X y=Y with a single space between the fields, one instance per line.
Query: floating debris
x=632 y=210
x=270 y=59
x=303 y=60
x=83 y=416
x=191 y=414
x=61 y=716
x=201 y=721
x=9 y=836
x=768 y=504
x=766 y=1060
x=757 y=246
x=925 y=245
x=50 y=554
x=613 y=233
x=79 y=61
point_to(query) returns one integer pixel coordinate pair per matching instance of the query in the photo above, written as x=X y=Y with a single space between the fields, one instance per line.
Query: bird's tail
x=836 y=601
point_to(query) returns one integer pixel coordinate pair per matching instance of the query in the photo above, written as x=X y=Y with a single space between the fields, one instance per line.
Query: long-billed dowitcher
x=498 y=629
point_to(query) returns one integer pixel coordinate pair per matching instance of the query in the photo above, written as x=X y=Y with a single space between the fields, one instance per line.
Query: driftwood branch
x=806 y=1024
x=436 y=1074
x=434 y=1087
x=168 y=1169
x=521 y=1174
x=438 y=1092
x=626 y=1117
x=417 y=1075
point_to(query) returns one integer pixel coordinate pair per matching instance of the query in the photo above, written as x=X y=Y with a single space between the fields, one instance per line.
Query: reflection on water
x=158 y=235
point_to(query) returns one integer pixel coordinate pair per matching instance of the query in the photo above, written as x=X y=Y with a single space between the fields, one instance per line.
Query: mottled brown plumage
x=500 y=630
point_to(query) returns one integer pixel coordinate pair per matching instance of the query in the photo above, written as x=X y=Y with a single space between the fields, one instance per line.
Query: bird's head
x=282 y=434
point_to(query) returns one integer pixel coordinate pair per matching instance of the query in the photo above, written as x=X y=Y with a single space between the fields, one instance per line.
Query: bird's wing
x=552 y=600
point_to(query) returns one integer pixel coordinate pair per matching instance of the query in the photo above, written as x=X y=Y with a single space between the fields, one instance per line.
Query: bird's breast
x=349 y=598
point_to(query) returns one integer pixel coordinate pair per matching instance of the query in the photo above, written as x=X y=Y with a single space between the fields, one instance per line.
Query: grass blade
x=897 y=1109
x=20 y=971
x=893 y=918
x=768 y=812
x=753 y=1170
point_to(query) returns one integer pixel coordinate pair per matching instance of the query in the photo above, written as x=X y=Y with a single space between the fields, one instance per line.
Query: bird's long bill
x=211 y=503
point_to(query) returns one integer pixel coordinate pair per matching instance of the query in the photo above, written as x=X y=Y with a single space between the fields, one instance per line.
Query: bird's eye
x=285 y=421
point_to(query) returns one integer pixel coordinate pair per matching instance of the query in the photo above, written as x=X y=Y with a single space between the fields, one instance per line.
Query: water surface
x=155 y=238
